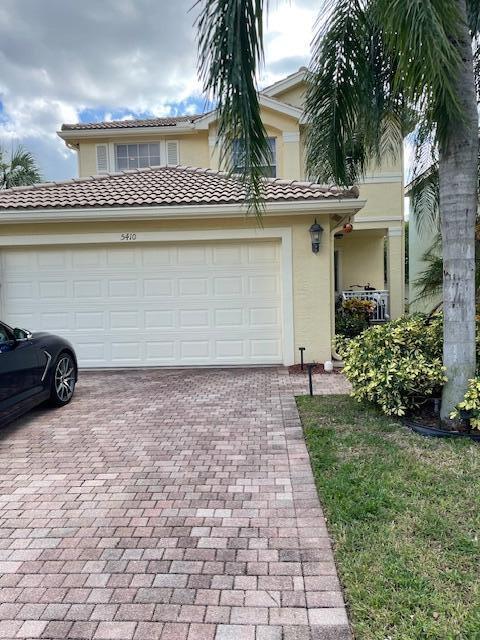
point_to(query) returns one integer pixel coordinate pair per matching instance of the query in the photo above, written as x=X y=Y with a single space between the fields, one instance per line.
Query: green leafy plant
x=350 y=325
x=396 y=365
x=18 y=169
x=352 y=316
x=357 y=305
x=470 y=404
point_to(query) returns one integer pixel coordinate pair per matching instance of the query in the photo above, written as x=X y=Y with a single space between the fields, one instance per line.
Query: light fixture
x=316 y=235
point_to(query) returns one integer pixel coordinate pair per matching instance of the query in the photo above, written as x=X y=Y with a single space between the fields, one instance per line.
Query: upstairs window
x=270 y=166
x=136 y=156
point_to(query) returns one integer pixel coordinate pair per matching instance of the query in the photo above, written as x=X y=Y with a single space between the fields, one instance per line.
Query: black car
x=34 y=368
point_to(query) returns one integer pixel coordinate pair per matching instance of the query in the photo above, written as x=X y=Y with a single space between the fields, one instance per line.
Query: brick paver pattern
x=167 y=505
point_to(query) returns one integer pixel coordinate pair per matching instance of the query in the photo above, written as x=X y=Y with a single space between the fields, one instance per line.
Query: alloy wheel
x=64 y=378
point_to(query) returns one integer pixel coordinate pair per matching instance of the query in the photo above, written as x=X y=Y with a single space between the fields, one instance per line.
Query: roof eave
x=75 y=134
x=102 y=214
x=286 y=83
x=266 y=101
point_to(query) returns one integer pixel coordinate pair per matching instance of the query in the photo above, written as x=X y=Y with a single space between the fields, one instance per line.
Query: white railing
x=379 y=296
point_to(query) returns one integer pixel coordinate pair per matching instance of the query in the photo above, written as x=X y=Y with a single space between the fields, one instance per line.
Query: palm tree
x=377 y=67
x=20 y=169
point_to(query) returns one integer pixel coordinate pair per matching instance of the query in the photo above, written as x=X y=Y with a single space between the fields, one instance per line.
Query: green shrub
x=470 y=404
x=350 y=325
x=352 y=316
x=396 y=365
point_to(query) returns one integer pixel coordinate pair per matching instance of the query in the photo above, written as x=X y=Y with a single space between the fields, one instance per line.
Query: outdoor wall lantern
x=316 y=235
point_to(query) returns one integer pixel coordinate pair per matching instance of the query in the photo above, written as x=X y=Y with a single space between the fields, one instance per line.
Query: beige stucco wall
x=361 y=259
x=310 y=272
x=294 y=96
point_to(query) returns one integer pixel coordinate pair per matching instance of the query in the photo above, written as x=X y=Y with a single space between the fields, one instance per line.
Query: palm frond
x=429 y=282
x=422 y=36
x=425 y=201
x=353 y=116
x=331 y=104
x=473 y=13
x=20 y=169
x=230 y=52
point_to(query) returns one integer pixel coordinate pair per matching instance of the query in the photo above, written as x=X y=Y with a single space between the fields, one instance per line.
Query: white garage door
x=152 y=304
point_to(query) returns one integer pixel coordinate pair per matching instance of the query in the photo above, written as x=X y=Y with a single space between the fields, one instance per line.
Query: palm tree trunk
x=458 y=206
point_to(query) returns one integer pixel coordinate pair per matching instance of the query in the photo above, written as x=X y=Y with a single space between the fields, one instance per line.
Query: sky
x=65 y=61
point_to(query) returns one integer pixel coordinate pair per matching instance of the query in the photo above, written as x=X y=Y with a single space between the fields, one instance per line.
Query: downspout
x=346 y=219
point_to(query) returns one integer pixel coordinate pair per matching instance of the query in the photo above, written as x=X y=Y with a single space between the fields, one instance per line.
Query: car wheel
x=63 y=380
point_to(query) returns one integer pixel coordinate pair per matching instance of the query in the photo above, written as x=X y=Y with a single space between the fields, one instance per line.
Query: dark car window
x=4 y=334
x=5 y=339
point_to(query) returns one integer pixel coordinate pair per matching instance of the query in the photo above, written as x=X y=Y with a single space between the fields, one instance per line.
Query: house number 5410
x=128 y=236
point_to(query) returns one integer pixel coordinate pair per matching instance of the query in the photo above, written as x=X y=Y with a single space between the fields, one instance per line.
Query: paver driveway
x=166 y=504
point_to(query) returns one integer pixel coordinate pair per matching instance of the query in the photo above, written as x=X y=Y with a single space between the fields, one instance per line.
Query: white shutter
x=172 y=153
x=102 y=158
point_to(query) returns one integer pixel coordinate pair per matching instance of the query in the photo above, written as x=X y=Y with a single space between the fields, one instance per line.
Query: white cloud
x=290 y=31
x=59 y=58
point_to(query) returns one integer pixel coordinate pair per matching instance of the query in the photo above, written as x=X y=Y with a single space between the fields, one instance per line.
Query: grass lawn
x=404 y=514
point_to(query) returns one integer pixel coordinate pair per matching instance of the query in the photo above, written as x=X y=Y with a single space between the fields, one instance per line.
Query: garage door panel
x=87 y=289
x=55 y=321
x=160 y=351
x=227 y=255
x=228 y=286
x=89 y=258
x=157 y=256
x=228 y=317
x=192 y=255
x=53 y=289
x=193 y=286
x=153 y=304
x=126 y=352
x=89 y=320
x=121 y=257
x=192 y=350
x=125 y=320
x=91 y=353
x=263 y=285
x=56 y=259
x=158 y=319
x=263 y=253
x=23 y=291
x=123 y=289
x=158 y=287
x=264 y=348
x=228 y=349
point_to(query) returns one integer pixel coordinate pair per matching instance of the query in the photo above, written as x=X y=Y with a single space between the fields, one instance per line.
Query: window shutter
x=172 y=153
x=102 y=158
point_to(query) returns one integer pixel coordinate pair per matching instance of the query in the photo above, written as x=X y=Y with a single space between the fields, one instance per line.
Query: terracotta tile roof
x=170 y=121
x=159 y=186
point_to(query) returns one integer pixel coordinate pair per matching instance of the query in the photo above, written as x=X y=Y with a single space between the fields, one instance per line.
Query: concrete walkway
x=167 y=504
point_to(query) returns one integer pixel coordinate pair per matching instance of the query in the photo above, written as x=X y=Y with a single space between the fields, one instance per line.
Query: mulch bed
x=426 y=421
x=425 y=415
x=318 y=368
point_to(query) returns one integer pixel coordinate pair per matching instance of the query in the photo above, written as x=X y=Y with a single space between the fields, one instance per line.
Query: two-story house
x=149 y=259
